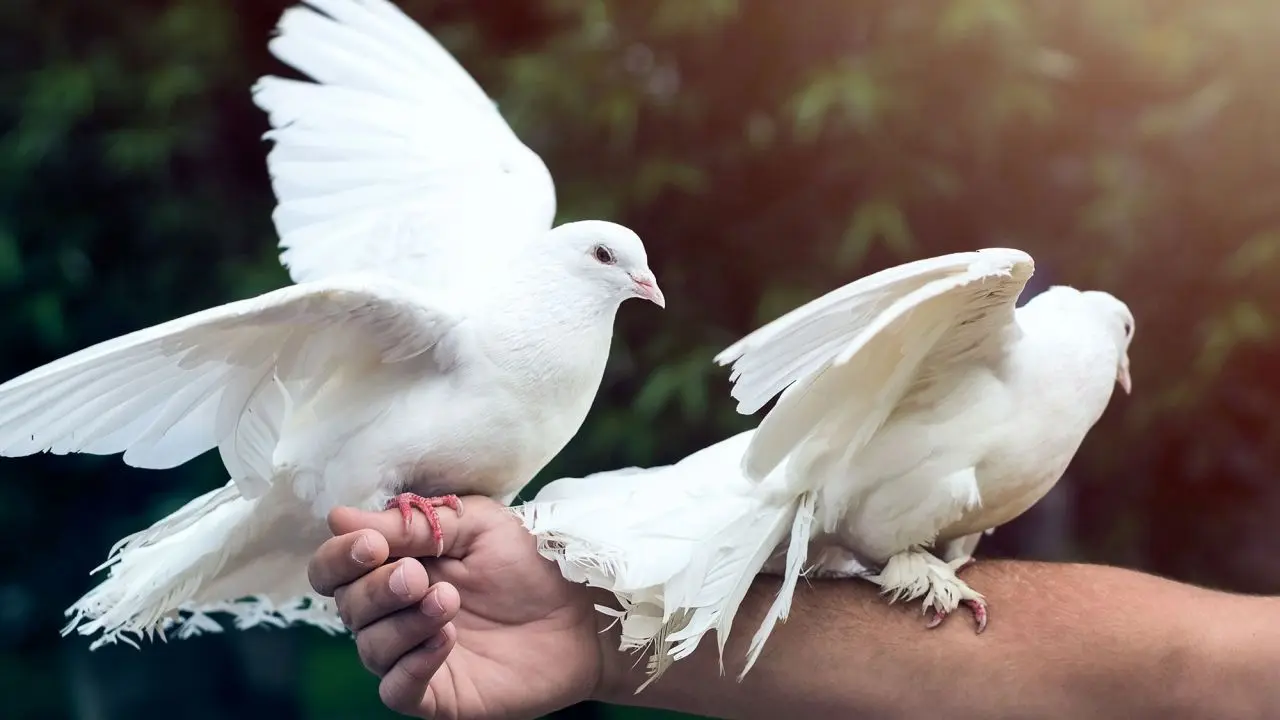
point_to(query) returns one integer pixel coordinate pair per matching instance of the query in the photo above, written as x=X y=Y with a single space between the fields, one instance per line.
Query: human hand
x=490 y=629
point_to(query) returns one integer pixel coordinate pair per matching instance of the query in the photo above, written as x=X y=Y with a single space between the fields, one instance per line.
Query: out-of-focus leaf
x=1187 y=115
x=874 y=220
x=962 y=19
x=1258 y=254
x=138 y=149
x=659 y=174
x=44 y=310
x=11 y=269
x=779 y=300
x=676 y=17
x=852 y=88
x=172 y=84
x=1245 y=322
x=60 y=93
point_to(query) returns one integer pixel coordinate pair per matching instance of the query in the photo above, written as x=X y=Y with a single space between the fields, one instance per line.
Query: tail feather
x=678 y=546
x=220 y=553
x=797 y=553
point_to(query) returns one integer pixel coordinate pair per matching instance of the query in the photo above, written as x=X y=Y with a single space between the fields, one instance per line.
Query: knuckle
x=316 y=576
x=325 y=567
x=344 y=608
x=417 y=666
x=398 y=694
x=370 y=654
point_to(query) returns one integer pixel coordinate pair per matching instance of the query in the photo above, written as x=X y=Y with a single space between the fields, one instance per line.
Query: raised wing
x=394 y=161
x=218 y=378
x=845 y=361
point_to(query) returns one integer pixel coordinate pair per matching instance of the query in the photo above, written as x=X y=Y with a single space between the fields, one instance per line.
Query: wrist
x=1235 y=676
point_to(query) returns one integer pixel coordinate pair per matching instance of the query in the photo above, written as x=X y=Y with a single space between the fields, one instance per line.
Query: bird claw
x=977 y=607
x=406 y=502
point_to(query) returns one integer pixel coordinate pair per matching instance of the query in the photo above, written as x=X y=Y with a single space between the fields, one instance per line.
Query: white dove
x=442 y=337
x=918 y=408
x=921 y=408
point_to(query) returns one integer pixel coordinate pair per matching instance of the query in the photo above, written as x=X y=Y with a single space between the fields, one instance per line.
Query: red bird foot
x=408 y=501
x=977 y=607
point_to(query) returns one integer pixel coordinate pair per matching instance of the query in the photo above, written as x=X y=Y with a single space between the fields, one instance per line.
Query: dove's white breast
x=986 y=450
x=483 y=425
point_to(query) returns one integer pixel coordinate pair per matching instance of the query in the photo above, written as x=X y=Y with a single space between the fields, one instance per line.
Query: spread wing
x=219 y=378
x=394 y=161
x=845 y=361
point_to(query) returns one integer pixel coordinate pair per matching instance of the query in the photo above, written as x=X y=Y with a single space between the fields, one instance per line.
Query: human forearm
x=1065 y=641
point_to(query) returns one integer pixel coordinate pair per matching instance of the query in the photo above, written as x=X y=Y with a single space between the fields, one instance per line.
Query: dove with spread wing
x=921 y=407
x=441 y=338
x=918 y=409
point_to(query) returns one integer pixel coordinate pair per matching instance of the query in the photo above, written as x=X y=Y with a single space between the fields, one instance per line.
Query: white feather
x=849 y=358
x=677 y=545
x=394 y=161
x=228 y=356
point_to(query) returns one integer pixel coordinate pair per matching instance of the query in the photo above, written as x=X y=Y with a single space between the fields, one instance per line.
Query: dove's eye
x=1128 y=330
x=604 y=255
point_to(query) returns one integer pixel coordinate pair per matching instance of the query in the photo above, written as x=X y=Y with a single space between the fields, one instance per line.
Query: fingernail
x=431 y=606
x=436 y=641
x=398 y=584
x=362 y=551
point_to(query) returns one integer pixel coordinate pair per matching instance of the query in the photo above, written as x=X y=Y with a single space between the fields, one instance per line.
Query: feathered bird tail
x=678 y=546
x=723 y=569
x=219 y=553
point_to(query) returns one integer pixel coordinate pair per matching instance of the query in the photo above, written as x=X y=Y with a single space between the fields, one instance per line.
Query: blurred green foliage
x=767 y=152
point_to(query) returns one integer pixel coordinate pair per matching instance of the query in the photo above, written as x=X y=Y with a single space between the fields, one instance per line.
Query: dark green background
x=767 y=152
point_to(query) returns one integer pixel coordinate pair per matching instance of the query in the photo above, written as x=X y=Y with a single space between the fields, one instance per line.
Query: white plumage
x=918 y=408
x=442 y=338
x=677 y=545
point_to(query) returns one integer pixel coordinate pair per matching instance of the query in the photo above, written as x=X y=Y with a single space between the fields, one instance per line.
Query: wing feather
x=216 y=378
x=393 y=161
x=845 y=361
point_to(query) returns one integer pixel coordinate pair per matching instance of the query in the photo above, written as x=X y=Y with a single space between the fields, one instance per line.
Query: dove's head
x=1114 y=315
x=1120 y=320
x=609 y=257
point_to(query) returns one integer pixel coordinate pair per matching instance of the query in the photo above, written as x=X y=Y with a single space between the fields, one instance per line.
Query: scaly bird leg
x=408 y=501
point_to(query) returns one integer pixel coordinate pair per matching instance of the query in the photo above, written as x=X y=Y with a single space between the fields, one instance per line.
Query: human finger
x=387 y=590
x=417 y=539
x=342 y=559
x=382 y=643
x=404 y=688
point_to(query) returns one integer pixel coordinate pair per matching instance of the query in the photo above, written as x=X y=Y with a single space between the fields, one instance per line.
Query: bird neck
x=553 y=324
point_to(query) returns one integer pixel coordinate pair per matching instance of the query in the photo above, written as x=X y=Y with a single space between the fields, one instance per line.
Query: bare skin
x=491 y=630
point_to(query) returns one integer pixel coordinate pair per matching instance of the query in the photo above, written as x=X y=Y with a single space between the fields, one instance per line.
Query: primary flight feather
x=441 y=338
x=917 y=409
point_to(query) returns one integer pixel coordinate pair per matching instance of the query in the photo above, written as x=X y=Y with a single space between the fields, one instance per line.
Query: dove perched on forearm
x=918 y=409
x=441 y=338
x=922 y=408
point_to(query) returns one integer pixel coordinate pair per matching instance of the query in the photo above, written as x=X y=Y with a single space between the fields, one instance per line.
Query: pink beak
x=647 y=288
x=1123 y=376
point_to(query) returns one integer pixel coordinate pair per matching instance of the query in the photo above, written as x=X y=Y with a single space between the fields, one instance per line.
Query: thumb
x=480 y=514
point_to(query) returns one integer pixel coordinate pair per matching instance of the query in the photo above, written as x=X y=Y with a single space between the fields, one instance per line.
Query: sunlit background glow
x=767 y=152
